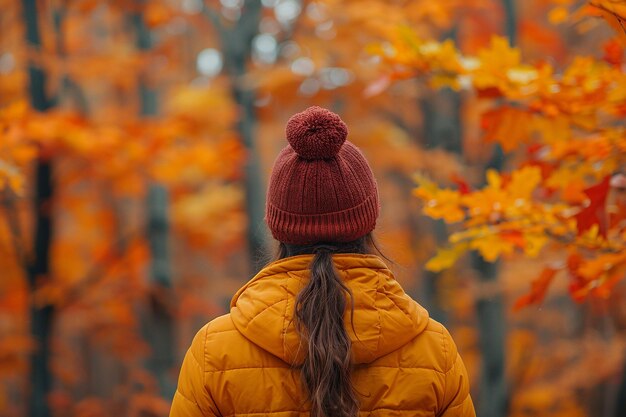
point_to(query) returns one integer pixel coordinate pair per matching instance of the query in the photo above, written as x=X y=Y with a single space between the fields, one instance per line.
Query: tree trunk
x=442 y=129
x=510 y=21
x=493 y=400
x=158 y=325
x=237 y=47
x=620 y=406
x=494 y=391
x=254 y=188
x=38 y=269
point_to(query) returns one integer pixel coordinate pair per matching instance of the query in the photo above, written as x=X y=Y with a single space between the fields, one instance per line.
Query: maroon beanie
x=321 y=188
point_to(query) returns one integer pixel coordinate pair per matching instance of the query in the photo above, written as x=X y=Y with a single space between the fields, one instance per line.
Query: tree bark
x=237 y=47
x=158 y=324
x=494 y=396
x=442 y=129
x=620 y=405
x=39 y=267
x=510 y=21
x=494 y=390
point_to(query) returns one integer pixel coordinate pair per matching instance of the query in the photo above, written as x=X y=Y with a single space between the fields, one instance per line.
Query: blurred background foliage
x=136 y=138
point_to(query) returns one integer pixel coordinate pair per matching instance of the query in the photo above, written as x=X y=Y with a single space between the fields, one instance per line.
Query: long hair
x=319 y=316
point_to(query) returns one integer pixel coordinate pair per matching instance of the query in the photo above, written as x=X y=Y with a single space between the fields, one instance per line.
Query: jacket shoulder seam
x=445 y=349
x=250 y=319
x=184 y=397
x=206 y=336
x=197 y=362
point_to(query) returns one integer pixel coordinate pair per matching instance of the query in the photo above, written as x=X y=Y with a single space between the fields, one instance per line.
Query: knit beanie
x=321 y=188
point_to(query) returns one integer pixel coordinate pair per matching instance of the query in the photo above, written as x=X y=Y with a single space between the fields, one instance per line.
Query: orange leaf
x=506 y=125
x=573 y=193
x=514 y=236
x=605 y=288
x=538 y=289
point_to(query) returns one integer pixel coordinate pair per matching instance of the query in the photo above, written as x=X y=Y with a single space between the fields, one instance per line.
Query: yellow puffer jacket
x=405 y=364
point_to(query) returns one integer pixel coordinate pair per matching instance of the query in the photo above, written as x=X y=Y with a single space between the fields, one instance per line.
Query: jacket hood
x=385 y=317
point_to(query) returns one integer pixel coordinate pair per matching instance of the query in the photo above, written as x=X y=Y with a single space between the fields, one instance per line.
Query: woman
x=325 y=330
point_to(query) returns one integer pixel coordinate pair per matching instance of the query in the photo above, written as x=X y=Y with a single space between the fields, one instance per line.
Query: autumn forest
x=137 y=137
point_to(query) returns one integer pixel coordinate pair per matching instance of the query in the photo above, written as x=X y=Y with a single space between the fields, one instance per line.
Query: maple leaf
x=439 y=203
x=446 y=257
x=603 y=264
x=594 y=213
x=491 y=245
x=464 y=187
x=445 y=204
x=538 y=289
x=523 y=182
x=508 y=126
x=495 y=61
x=596 y=276
x=533 y=243
x=573 y=192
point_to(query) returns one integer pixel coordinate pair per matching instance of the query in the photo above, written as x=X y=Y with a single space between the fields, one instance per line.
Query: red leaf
x=594 y=212
x=538 y=289
x=464 y=187
x=506 y=125
x=490 y=92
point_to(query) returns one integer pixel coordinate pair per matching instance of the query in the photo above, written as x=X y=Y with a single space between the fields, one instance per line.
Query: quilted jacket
x=246 y=363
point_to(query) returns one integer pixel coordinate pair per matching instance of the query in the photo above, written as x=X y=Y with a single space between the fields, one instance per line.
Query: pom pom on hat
x=316 y=133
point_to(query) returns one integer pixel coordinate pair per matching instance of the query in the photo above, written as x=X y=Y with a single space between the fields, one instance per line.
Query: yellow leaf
x=524 y=181
x=534 y=242
x=439 y=203
x=445 y=204
x=491 y=246
x=446 y=257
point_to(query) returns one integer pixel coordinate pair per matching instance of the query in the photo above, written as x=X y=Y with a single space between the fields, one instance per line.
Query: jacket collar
x=385 y=317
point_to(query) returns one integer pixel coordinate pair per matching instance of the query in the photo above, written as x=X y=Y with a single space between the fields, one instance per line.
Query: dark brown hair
x=319 y=312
